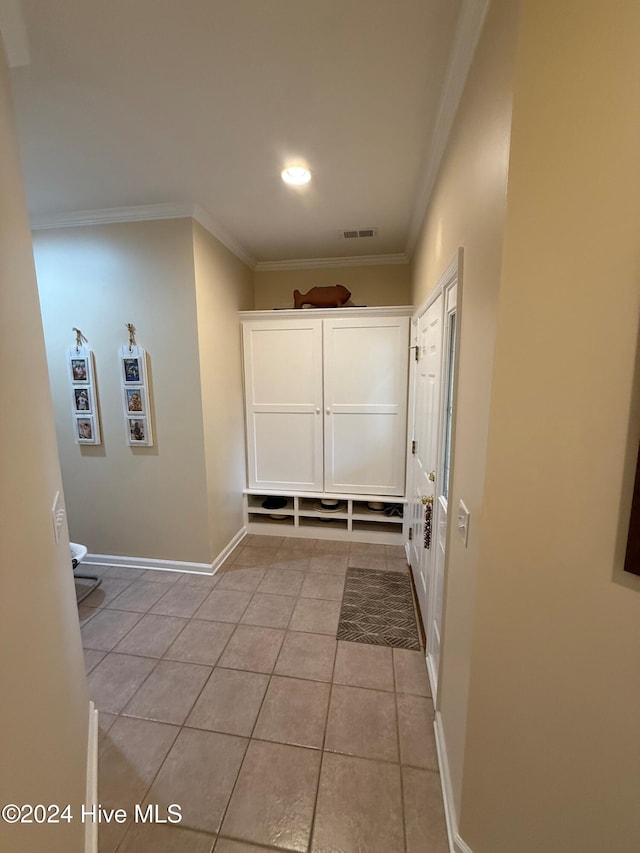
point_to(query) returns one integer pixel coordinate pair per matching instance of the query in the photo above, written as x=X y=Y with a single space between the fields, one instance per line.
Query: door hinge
x=413 y=447
x=410 y=534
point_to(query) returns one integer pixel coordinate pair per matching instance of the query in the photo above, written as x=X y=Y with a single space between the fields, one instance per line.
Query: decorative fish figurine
x=322 y=297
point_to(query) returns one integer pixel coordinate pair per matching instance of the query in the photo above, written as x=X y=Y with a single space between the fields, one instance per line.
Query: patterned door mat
x=377 y=608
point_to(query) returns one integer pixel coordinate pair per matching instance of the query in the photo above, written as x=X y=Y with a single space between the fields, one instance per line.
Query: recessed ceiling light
x=296 y=175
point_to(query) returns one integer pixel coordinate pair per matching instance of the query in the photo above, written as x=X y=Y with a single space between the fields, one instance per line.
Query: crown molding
x=107 y=215
x=14 y=33
x=470 y=23
x=142 y=213
x=146 y=212
x=333 y=263
x=216 y=230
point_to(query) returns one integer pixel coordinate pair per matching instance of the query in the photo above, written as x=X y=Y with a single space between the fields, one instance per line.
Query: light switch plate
x=463 y=522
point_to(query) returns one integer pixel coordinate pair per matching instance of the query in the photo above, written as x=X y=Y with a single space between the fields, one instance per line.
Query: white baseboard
x=91 y=793
x=456 y=843
x=433 y=680
x=222 y=556
x=124 y=562
x=145 y=563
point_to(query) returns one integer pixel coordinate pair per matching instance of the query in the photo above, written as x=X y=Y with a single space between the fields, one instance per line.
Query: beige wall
x=468 y=209
x=553 y=742
x=138 y=502
x=224 y=286
x=44 y=704
x=388 y=284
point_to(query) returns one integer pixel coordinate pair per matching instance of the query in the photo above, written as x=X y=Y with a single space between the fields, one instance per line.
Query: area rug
x=377 y=608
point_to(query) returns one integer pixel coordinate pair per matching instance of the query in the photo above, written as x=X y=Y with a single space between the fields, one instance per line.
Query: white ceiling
x=142 y=102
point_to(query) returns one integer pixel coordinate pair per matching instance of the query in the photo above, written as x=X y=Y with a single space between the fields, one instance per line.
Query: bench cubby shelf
x=353 y=521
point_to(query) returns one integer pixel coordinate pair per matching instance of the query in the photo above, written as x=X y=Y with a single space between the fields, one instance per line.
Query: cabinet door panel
x=358 y=454
x=365 y=369
x=365 y=390
x=286 y=455
x=283 y=393
x=284 y=367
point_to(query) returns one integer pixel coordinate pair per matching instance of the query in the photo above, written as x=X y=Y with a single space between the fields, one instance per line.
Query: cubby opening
x=352 y=519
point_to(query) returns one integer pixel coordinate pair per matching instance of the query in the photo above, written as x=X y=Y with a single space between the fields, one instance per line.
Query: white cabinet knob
x=328 y=410
x=317 y=411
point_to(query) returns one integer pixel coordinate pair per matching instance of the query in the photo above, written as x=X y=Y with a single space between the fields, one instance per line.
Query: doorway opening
x=436 y=339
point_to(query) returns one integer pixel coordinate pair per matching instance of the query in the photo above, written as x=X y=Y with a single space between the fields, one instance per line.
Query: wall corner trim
x=91 y=794
x=467 y=36
x=228 y=548
x=216 y=230
x=14 y=33
x=456 y=843
x=143 y=213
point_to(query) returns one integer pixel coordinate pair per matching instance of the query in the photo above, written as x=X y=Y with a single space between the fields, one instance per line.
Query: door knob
x=427 y=499
x=432 y=476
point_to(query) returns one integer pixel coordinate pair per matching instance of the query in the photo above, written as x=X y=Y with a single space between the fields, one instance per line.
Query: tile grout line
x=312 y=828
x=142 y=614
x=255 y=722
x=402 y=808
x=249 y=739
x=140 y=579
x=181 y=727
x=155 y=776
x=236 y=624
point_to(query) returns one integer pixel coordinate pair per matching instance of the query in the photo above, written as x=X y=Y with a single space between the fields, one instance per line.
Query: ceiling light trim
x=142 y=213
x=468 y=30
x=325 y=263
x=296 y=176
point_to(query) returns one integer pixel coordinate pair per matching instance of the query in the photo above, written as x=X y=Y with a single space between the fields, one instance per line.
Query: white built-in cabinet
x=284 y=402
x=326 y=401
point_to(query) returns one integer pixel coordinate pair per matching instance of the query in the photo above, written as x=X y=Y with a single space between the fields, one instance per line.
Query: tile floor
x=232 y=697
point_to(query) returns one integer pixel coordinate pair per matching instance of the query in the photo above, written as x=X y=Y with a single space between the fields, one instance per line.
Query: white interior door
x=443 y=468
x=365 y=399
x=425 y=435
x=283 y=376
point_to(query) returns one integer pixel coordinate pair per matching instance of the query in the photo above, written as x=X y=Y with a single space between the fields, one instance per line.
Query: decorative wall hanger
x=428 y=518
x=84 y=398
x=133 y=373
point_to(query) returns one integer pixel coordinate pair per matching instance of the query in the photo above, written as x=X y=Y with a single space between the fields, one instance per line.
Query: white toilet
x=78 y=553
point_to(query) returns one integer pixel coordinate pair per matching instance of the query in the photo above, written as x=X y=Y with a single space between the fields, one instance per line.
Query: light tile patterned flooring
x=232 y=697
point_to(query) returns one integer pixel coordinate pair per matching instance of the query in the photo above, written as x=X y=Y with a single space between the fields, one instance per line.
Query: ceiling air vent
x=359 y=232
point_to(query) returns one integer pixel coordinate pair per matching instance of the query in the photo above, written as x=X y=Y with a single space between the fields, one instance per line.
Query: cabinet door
x=283 y=394
x=365 y=393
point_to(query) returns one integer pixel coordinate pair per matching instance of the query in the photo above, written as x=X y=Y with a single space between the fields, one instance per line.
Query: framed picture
x=85 y=430
x=80 y=372
x=133 y=370
x=84 y=395
x=137 y=430
x=134 y=400
x=82 y=399
x=135 y=395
